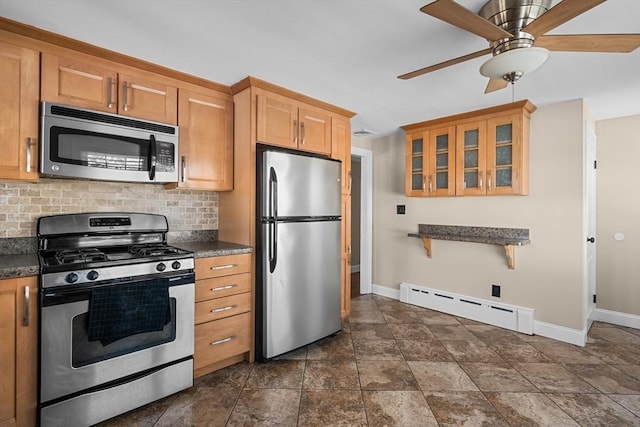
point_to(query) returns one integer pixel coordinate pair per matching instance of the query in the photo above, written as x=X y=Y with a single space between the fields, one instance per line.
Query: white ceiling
x=346 y=52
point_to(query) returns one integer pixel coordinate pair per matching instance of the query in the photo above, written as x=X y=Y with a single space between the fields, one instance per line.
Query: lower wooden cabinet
x=223 y=312
x=18 y=351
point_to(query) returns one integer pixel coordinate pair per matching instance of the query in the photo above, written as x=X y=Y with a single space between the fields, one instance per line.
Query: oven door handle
x=153 y=157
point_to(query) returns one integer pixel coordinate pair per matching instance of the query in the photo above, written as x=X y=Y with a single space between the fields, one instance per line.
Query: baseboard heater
x=506 y=316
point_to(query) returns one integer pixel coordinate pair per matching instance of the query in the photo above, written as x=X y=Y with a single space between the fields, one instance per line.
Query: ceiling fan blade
x=451 y=12
x=590 y=42
x=495 y=84
x=559 y=14
x=444 y=64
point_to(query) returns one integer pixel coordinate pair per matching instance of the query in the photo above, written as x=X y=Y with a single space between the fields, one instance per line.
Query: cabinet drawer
x=222 y=307
x=218 y=287
x=221 y=339
x=222 y=266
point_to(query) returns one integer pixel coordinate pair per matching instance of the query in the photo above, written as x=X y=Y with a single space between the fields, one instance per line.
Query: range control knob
x=161 y=267
x=71 y=278
x=176 y=265
x=92 y=275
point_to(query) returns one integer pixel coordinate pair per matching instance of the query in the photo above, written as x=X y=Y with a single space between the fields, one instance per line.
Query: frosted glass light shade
x=522 y=60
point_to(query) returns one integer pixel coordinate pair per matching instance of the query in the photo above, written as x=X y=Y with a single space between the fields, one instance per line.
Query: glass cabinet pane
x=471 y=159
x=504 y=155
x=470 y=138
x=471 y=179
x=442 y=180
x=442 y=142
x=503 y=177
x=504 y=133
x=416 y=181
x=416 y=164
x=416 y=146
x=442 y=161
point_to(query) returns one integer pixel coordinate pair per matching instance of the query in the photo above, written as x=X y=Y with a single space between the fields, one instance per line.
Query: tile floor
x=398 y=364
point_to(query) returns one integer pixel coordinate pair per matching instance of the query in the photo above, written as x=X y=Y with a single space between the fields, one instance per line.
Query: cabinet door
x=314 y=130
x=146 y=98
x=471 y=158
x=18 y=113
x=18 y=363
x=79 y=82
x=417 y=164
x=341 y=149
x=277 y=122
x=506 y=162
x=441 y=168
x=206 y=141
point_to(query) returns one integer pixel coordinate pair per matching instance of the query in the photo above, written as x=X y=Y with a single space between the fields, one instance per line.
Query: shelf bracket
x=510 y=252
x=426 y=241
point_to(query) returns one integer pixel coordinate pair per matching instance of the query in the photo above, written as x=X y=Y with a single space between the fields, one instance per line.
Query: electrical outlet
x=400 y=209
x=495 y=291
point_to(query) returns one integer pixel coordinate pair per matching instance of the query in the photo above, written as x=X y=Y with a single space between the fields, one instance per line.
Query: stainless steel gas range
x=116 y=316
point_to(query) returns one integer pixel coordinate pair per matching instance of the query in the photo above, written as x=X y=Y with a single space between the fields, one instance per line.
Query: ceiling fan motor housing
x=512 y=16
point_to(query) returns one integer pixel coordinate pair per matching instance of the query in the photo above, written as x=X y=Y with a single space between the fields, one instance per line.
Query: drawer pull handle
x=224 y=288
x=224 y=340
x=223 y=267
x=218 y=310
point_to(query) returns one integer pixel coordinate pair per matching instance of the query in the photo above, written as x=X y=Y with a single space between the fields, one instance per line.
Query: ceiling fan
x=516 y=31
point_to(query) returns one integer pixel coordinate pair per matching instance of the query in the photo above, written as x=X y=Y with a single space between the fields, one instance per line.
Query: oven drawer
x=222 y=307
x=221 y=339
x=222 y=266
x=218 y=287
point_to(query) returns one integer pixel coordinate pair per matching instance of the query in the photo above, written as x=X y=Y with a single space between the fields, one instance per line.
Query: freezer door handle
x=273 y=193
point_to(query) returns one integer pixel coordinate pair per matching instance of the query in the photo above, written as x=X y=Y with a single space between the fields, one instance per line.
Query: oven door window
x=97 y=150
x=105 y=344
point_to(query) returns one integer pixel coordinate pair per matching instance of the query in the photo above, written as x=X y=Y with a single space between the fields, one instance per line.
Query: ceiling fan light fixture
x=514 y=63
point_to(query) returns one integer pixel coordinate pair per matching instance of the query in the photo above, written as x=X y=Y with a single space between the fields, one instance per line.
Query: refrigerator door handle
x=273 y=246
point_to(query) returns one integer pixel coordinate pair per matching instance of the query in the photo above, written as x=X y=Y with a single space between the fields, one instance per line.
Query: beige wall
x=549 y=272
x=21 y=204
x=618 y=211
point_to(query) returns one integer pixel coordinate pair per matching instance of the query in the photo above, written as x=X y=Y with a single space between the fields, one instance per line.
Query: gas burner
x=72 y=256
x=153 y=250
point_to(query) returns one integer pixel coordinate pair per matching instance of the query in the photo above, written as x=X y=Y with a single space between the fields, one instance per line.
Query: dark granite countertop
x=488 y=235
x=20 y=265
x=205 y=249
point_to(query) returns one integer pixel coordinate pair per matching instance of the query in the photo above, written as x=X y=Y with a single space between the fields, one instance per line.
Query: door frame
x=366 y=217
x=589 y=221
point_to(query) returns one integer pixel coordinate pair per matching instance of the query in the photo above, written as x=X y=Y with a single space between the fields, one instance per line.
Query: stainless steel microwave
x=80 y=143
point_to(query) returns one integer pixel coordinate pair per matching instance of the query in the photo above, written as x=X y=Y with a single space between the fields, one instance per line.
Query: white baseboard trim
x=616 y=318
x=385 y=291
x=527 y=323
x=561 y=333
x=355 y=268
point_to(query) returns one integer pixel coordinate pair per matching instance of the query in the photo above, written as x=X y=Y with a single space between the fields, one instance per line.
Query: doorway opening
x=361 y=221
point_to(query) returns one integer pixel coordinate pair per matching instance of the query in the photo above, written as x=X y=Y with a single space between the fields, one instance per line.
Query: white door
x=590 y=210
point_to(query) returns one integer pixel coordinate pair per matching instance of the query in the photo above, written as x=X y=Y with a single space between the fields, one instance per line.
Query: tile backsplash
x=21 y=204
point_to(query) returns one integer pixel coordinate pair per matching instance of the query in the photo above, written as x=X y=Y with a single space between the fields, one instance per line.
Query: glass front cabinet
x=484 y=152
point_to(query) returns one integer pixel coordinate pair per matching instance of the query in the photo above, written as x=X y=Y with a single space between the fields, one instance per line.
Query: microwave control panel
x=165 y=157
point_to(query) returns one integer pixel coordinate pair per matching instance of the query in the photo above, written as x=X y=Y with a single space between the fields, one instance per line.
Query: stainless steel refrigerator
x=298 y=252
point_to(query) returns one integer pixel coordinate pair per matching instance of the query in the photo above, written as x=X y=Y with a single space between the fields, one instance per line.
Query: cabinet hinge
x=594 y=298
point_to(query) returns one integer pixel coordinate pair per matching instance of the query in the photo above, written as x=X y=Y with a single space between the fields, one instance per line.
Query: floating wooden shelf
x=508 y=238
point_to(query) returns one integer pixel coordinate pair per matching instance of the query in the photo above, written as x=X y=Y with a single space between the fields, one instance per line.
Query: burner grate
x=72 y=256
x=153 y=250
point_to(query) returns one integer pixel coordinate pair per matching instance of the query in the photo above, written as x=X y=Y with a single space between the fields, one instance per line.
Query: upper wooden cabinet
x=18 y=352
x=19 y=92
x=287 y=123
x=206 y=140
x=483 y=152
x=83 y=81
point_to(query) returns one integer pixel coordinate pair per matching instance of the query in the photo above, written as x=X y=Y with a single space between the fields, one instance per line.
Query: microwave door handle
x=152 y=157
